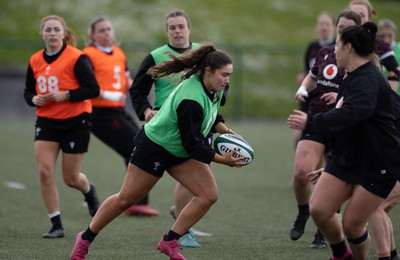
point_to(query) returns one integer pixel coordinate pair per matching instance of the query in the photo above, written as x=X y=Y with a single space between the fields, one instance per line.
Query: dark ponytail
x=191 y=63
x=362 y=38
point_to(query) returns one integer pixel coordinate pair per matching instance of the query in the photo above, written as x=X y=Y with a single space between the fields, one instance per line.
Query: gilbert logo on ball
x=225 y=143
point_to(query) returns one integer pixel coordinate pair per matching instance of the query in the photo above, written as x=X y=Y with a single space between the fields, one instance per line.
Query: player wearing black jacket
x=364 y=138
x=362 y=166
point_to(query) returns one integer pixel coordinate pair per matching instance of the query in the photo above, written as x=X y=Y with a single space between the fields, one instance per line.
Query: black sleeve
x=30 y=86
x=89 y=88
x=359 y=104
x=127 y=68
x=218 y=119
x=396 y=107
x=391 y=65
x=317 y=124
x=307 y=59
x=224 y=95
x=190 y=118
x=141 y=86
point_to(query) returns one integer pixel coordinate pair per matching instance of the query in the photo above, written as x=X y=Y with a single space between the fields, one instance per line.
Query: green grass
x=251 y=220
x=266 y=39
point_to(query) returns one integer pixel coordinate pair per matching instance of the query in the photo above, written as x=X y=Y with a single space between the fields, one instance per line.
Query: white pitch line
x=15 y=185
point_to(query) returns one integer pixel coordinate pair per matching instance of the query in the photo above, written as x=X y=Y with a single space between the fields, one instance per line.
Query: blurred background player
x=111 y=123
x=325 y=29
x=387 y=31
x=383 y=50
x=59 y=83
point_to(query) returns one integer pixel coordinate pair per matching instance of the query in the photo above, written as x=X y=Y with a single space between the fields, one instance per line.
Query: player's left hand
x=229 y=160
x=298 y=120
x=314 y=175
x=329 y=98
x=57 y=96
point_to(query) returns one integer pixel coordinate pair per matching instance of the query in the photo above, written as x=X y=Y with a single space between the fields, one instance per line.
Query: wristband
x=112 y=95
x=302 y=91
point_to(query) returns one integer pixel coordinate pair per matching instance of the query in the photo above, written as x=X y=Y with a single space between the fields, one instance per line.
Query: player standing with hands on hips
x=59 y=83
x=110 y=122
x=174 y=141
x=362 y=166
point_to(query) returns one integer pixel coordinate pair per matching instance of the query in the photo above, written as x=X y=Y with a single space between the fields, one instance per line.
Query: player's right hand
x=40 y=100
x=149 y=114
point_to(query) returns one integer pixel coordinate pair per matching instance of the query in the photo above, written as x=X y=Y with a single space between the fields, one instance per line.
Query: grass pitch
x=251 y=220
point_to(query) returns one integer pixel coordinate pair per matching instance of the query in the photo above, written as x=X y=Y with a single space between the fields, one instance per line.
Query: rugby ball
x=225 y=143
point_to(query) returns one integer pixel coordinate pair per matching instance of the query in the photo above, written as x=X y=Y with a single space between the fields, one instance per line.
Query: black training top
x=365 y=143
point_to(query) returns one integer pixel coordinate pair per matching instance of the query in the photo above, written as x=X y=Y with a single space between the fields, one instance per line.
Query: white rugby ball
x=225 y=143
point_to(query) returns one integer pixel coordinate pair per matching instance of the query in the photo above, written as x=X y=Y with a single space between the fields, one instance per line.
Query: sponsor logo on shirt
x=330 y=71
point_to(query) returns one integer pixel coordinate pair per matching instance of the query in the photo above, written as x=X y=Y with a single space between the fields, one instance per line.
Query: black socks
x=171 y=236
x=339 y=250
x=304 y=210
x=56 y=222
x=88 y=235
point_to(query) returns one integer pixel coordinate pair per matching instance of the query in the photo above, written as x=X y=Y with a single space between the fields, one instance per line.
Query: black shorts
x=209 y=139
x=72 y=135
x=352 y=175
x=152 y=157
x=381 y=189
x=316 y=138
x=116 y=128
x=304 y=105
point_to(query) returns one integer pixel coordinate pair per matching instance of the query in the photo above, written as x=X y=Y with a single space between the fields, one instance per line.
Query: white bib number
x=47 y=84
x=117 y=77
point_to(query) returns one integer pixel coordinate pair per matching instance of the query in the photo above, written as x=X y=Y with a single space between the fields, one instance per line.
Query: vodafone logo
x=330 y=71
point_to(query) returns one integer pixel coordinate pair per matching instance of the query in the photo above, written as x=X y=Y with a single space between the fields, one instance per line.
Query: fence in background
x=262 y=83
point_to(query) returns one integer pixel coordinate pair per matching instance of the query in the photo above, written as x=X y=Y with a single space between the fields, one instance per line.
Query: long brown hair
x=191 y=63
x=71 y=37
